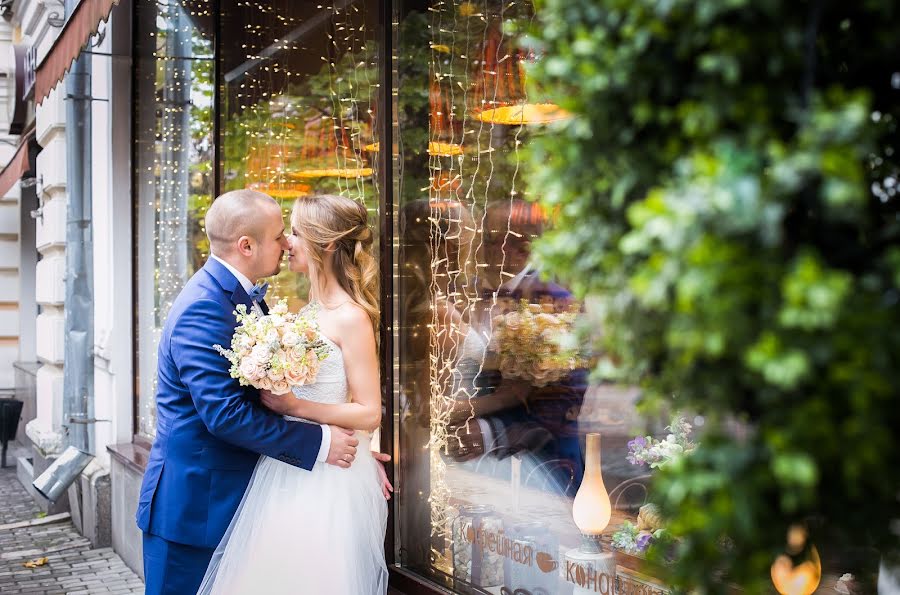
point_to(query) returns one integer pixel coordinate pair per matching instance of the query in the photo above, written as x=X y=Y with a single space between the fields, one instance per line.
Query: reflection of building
x=284 y=97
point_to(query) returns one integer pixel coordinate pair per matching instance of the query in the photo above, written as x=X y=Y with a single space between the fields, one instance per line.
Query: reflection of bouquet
x=530 y=342
x=276 y=351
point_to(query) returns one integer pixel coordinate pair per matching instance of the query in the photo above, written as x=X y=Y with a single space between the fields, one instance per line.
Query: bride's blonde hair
x=324 y=220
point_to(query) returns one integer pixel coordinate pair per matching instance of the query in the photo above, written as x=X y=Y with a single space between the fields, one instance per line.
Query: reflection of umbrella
x=500 y=94
x=441 y=125
x=327 y=152
x=271 y=158
x=286 y=190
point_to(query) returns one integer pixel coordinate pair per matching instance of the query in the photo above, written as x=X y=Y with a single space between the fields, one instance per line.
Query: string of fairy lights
x=465 y=68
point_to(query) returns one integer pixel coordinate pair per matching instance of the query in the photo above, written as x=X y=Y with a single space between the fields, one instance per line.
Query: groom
x=211 y=430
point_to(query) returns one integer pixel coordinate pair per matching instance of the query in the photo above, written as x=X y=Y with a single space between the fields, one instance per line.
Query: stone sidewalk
x=72 y=565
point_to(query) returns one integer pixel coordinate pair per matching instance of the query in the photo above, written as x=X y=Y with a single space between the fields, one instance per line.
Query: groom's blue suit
x=210 y=432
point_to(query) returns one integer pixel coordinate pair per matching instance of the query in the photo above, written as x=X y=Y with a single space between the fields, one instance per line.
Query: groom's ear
x=245 y=245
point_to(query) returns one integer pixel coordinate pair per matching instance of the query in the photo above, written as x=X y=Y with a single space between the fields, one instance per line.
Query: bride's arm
x=361 y=363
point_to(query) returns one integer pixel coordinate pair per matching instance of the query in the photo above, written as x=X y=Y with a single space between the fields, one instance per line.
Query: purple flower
x=643 y=541
x=636 y=449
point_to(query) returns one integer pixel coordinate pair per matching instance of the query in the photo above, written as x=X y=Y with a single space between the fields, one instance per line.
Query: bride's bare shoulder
x=349 y=315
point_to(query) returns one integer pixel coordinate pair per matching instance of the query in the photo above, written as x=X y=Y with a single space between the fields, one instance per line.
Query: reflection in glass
x=494 y=402
x=174 y=89
x=298 y=104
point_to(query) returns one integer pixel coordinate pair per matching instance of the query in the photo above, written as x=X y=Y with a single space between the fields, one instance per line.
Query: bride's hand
x=284 y=404
x=386 y=487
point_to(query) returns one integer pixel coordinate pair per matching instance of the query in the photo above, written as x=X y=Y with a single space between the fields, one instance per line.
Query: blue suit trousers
x=173 y=568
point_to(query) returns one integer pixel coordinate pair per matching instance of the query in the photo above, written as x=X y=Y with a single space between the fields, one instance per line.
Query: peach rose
x=296 y=375
x=280 y=387
x=264 y=384
x=313 y=365
x=296 y=354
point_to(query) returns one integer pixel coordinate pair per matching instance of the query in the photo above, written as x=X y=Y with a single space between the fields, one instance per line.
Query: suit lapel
x=228 y=283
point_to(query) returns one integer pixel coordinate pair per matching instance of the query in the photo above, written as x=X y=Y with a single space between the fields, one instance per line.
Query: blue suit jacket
x=210 y=430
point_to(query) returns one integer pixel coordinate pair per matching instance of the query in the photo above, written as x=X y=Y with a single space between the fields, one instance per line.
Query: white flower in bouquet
x=277 y=351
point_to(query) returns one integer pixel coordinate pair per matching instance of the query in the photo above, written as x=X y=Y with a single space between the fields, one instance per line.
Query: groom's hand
x=343 y=447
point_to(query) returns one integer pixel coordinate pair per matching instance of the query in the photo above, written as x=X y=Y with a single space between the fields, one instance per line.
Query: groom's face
x=272 y=244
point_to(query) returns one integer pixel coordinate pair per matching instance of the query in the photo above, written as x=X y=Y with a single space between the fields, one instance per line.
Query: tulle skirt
x=305 y=532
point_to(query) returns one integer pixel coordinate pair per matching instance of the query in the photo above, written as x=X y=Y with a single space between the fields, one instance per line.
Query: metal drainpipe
x=78 y=372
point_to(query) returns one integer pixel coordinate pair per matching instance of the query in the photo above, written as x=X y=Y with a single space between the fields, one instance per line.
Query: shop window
x=495 y=404
x=299 y=85
x=173 y=182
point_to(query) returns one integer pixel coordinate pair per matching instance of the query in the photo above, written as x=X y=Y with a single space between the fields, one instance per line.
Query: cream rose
x=261 y=353
x=275 y=375
x=290 y=338
x=264 y=384
x=247 y=342
x=249 y=367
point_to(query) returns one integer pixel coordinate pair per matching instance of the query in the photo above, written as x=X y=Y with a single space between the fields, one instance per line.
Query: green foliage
x=726 y=190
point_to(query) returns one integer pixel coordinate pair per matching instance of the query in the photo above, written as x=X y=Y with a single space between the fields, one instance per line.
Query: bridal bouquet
x=276 y=351
x=530 y=341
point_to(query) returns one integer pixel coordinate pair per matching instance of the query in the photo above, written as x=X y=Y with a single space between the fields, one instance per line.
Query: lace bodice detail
x=330 y=385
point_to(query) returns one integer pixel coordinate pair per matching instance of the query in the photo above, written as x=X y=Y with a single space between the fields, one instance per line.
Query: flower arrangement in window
x=635 y=538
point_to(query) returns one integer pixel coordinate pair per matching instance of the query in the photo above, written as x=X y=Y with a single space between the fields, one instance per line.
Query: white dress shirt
x=248 y=285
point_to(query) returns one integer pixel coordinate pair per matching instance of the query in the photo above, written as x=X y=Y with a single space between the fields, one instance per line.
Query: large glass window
x=299 y=82
x=495 y=406
x=173 y=176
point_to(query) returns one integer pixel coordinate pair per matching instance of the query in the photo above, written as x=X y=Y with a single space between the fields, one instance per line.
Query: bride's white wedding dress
x=307 y=532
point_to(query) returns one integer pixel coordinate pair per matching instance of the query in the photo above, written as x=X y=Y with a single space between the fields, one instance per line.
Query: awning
x=81 y=25
x=18 y=166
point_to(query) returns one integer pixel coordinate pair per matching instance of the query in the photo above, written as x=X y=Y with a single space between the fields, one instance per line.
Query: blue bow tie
x=258 y=292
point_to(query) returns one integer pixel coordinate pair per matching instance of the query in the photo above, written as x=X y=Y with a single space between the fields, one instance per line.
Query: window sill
x=133 y=455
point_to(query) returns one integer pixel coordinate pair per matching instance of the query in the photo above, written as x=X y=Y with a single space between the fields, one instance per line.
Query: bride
x=320 y=531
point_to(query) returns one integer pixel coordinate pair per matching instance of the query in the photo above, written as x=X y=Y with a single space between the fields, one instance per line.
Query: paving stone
x=72 y=566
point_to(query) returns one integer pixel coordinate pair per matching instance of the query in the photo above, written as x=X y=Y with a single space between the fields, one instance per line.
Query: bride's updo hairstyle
x=326 y=221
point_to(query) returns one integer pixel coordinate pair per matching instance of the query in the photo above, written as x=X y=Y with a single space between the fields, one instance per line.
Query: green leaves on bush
x=726 y=194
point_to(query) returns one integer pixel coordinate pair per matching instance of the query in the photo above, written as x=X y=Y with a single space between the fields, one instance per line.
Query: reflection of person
x=435 y=243
x=499 y=416
x=210 y=430
x=324 y=528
